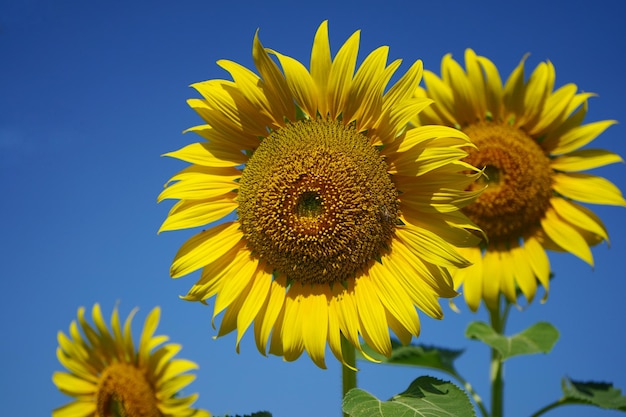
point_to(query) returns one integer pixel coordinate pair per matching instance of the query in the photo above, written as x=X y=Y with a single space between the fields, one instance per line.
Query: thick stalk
x=348 y=373
x=496 y=370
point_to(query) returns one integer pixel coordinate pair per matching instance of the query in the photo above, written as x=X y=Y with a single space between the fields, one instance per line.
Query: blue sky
x=91 y=93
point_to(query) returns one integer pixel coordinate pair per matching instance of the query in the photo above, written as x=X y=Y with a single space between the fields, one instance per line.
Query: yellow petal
x=229 y=320
x=345 y=306
x=553 y=137
x=588 y=189
x=199 y=183
x=193 y=213
x=580 y=136
x=415 y=280
x=315 y=324
x=208 y=155
x=214 y=273
x=435 y=277
x=160 y=359
x=513 y=93
x=76 y=409
x=321 y=63
x=300 y=83
x=341 y=73
x=507 y=276
x=524 y=275
x=226 y=108
x=176 y=368
x=73 y=385
x=585 y=159
x=204 y=248
x=394 y=297
x=579 y=216
x=366 y=93
x=181 y=406
x=254 y=300
x=493 y=88
x=430 y=246
x=175 y=385
x=566 y=236
x=291 y=333
x=274 y=81
x=420 y=160
x=226 y=140
x=128 y=337
x=404 y=88
x=477 y=84
x=239 y=276
x=334 y=329
x=266 y=317
x=492 y=279
x=77 y=367
x=441 y=93
x=401 y=333
x=472 y=277
x=538 y=260
x=422 y=134
x=250 y=86
x=537 y=89
x=145 y=343
x=372 y=316
x=464 y=95
x=554 y=110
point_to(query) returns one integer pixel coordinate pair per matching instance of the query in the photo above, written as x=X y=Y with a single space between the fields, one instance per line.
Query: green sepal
x=538 y=338
x=426 y=396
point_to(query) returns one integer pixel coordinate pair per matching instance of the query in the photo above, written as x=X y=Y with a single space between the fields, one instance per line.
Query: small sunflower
x=528 y=140
x=345 y=222
x=108 y=377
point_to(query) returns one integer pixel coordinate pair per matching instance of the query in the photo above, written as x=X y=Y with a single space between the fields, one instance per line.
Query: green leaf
x=538 y=338
x=426 y=396
x=257 y=414
x=417 y=355
x=600 y=394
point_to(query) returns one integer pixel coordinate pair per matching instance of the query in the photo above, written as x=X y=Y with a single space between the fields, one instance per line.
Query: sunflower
x=345 y=222
x=108 y=377
x=529 y=139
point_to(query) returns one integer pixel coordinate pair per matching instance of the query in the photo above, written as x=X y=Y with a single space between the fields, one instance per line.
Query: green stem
x=348 y=373
x=497 y=320
x=548 y=408
x=477 y=399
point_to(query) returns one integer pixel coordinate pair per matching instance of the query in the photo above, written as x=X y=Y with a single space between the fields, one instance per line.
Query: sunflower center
x=316 y=202
x=309 y=204
x=518 y=180
x=124 y=390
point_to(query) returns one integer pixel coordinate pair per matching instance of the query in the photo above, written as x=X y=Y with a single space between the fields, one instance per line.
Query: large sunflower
x=528 y=138
x=109 y=377
x=344 y=222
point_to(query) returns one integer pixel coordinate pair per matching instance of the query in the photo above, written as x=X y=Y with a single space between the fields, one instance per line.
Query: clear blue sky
x=91 y=93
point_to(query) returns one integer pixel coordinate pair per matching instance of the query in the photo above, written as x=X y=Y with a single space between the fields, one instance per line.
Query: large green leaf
x=600 y=394
x=538 y=338
x=418 y=355
x=425 y=397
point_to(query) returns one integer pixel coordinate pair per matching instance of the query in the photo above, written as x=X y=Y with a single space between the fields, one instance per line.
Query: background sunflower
x=530 y=138
x=109 y=374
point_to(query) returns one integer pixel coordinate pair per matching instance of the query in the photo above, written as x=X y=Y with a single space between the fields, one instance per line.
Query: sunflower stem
x=498 y=321
x=348 y=368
